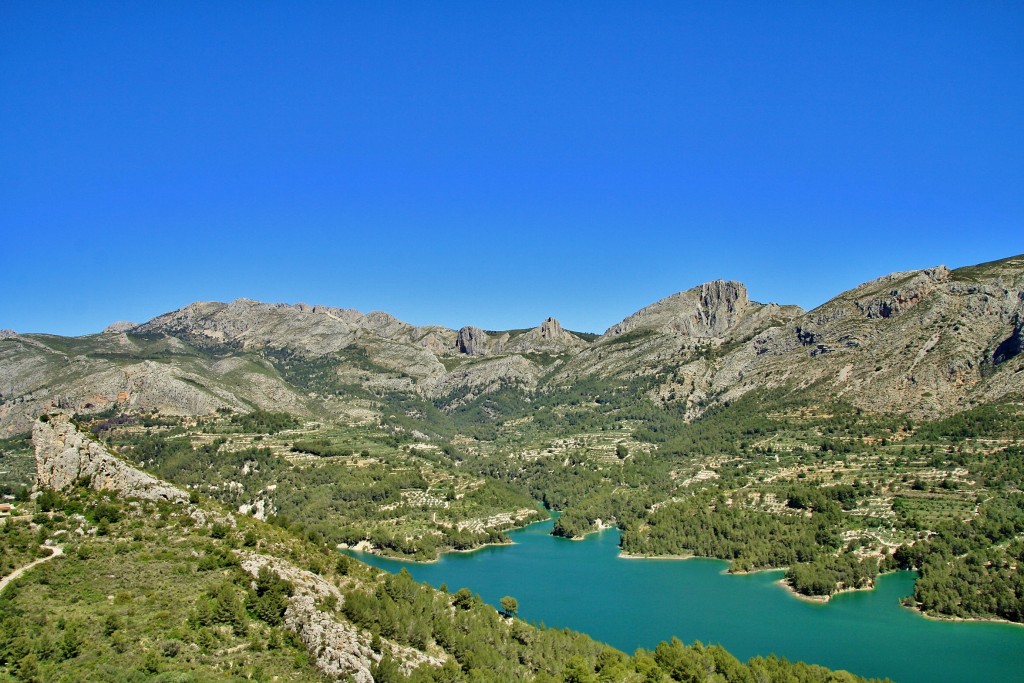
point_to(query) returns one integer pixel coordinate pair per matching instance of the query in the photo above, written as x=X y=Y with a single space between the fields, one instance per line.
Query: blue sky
x=495 y=163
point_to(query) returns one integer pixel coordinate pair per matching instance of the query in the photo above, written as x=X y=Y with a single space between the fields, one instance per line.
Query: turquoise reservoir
x=631 y=603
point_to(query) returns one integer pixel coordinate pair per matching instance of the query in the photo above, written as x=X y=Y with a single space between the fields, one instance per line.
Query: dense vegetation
x=972 y=569
x=17 y=464
x=480 y=640
x=708 y=527
x=149 y=591
x=395 y=501
x=828 y=492
x=147 y=596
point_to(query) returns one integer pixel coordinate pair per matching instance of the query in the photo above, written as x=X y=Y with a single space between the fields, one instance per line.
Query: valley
x=882 y=431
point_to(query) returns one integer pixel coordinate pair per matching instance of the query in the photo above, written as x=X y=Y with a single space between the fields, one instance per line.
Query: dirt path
x=57 y=551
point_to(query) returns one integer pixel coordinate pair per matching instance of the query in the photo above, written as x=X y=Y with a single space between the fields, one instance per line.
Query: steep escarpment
x=707 y=311
x=680 y=336
x=66 y=457
x=926 y=342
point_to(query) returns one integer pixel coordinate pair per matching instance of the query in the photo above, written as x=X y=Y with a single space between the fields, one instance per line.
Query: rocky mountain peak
x=550 y=329
x=549 y=337
x=706 y=311
x=924 y=341
x=119 y=327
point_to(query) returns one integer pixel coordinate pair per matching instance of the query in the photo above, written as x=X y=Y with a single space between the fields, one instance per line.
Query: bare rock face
x=251 y=325
x=551 y=329
x=337 y=648
x=907 y=290
x=485 y=377
x=927 y=342
x=119 y=327
x=64 y=456
x=8 y=334
x=1012 y=346
x=709 y=310
x=548 y=338
x=472 y=341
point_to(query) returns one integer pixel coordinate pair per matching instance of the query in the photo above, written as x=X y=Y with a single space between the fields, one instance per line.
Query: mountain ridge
x=927 y=342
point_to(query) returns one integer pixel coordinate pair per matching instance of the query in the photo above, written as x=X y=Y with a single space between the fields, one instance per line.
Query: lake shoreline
x=629 y=556
x=365 y=547
x=601 y=526
x=644 y=603
x=964 y=620
x=371 y=550
x=819 y=599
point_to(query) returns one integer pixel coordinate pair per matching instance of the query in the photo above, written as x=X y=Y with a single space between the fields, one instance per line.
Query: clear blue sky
x=494 y=163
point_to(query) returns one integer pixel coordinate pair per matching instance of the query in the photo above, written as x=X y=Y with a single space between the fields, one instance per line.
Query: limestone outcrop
x=119 y=327
x=472 y=341
x=928 y=341
x=549 y=337
x=338 y=648
x=706 y=311
x=65 y=456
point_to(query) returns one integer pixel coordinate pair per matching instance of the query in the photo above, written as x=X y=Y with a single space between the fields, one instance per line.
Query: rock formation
x=706 y=311
x=337 y=648
x=930 y=341
x=65 y=456
x=549 y=337
x=472 y=341
x=119 y=326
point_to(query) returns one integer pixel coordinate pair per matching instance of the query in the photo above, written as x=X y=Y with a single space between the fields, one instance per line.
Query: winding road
x=57 y=551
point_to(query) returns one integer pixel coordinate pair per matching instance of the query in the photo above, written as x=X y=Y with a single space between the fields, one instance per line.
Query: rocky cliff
x=549 y=337
x=709 y=310
x=927 y=343
x=65 y=456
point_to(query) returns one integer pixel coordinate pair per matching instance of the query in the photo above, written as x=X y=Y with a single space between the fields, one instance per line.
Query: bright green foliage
x=973 y=570
x=705 y=526
x=488 y=648
x=769 y=480
x=338 y=500
x=159 y=598
x=264 y=421
x=268 y=600
x=154 y=598
x=509 y=605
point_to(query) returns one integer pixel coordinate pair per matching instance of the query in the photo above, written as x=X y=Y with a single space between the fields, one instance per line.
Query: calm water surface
x=585 y=586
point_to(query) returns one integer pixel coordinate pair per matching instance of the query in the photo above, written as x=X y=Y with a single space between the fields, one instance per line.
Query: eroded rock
x=65 y=456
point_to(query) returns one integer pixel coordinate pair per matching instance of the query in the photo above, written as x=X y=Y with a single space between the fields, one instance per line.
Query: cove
x=631 y=603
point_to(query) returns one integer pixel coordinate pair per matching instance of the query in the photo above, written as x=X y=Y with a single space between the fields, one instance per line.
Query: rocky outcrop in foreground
x=65 y=456
x=339 y=649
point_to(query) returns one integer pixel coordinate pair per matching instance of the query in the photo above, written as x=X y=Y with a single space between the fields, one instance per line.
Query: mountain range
x=926 y=343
